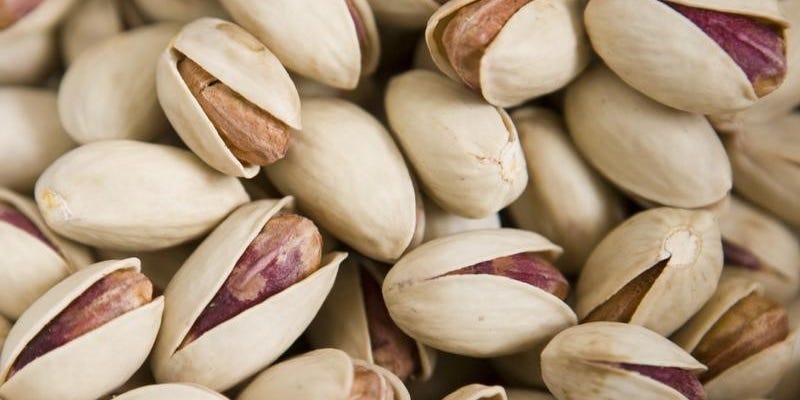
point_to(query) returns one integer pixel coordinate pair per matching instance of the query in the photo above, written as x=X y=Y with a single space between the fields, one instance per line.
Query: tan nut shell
x=248 y=342
x=239 y=61
x=565 y=200
x=478 y=392
x=98 y=361
x=349 y=176
x=90 y=22
x=29 y=267
x=440 y=223
x=171 y=391
x=465 y=151
x=697 y=76
x=111 y=194
x=657 y=153
x=342 y=323
x=581 y=353
x=109 y=92
x=409 y=14
x=789 y=386
x=539 y=50
x=315 y=38
x=689 y=239
x=473 y=315
x=523 y=394
x=768 y=239
x=756 y=375
x=32 y=136
x=183 y=11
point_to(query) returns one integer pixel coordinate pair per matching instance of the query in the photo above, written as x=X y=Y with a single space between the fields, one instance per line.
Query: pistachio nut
x=789 y=387
x=338 y=188
x=565 y=200
x=84 y=337
x=757 y=246
x=354 y=319
x=227 y=96
x=332 y=41
x=94 y=21
x=334 y=374
x=158 y=265
x=713 y=71
x=509 y=51
x=482 y=293
x=523 y=368
x=34 y=258
x=523 y=394
x=171 y=391
x=440 y=223
x=465 y=151
x=183 y=11
x=241 y=299
x=477 y=391
x=743 y=337
x=111 y=195
x=651 y=151
x=766 y=165
x=32 y=136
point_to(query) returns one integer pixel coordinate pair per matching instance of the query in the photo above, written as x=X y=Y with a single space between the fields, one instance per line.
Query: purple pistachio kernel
x=679 y=379
x=737 y=256
x=11 y=215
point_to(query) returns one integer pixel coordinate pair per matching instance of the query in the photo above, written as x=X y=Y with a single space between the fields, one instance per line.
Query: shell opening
x=11 y=215
x=683 y=381
x=736 y=256
x=621 y=306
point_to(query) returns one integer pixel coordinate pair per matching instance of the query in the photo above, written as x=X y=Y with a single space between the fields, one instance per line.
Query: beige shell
x=329 y=370
x=698 y=76
x=342 y=322
x=689 y=240
x=440 y=223
x=565 y=200
x=171 y=391
x=315 y=38
x=32 y=136
x=477 y=391
x=349 y=176
x=465 y=151
x=789 y=386
x=523 y=369
x=86 y=367
x=768 y=239
x=29 y=267
x=406 y=14
x=474 y=315
x=111 y=194
x=766 y=165
x=183 y=11
x=158 y=265
x=239 y=61
x=5 y=326
x=539 y=50
x=248 y=342
x=523 y=394
x=91 y=22
x=756 y=375
x=582 y=354
x=660 y=154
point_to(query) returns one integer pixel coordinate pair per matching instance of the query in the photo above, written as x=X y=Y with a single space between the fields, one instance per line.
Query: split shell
x=88 y=366
x=478 y=392
x=407 y=14
x=171 y=391
x=246 y=343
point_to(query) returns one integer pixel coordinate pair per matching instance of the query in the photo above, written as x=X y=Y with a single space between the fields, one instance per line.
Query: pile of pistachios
x=399 y=199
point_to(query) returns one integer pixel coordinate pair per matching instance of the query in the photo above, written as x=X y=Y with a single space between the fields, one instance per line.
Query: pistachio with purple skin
x=12 y=11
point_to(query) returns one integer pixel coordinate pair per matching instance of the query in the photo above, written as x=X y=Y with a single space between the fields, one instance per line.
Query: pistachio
x=621 y=306
x=12 y=11
x=94 y=21
x=369 y=385
x=11 y=215
x=477 y=392
x=168 y=391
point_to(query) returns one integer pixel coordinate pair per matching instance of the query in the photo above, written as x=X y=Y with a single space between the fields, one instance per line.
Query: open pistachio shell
x=244 y=344
x=523 y=394
x=539 y=50
x=687 y=243
x=440 y=223
x=171 y=391
x=697 y=76
x=337 y=188
x=91 y=22
x=565 y=200
x=315 y=38
x=32 y=136
x=478 y=392
x=479 y=315
x=465 y=151
x=410 y=14
x=330 y=370
x=651 y=151
x=183 y=11
x=90 y=365
x=582 y=362
x=110 y=194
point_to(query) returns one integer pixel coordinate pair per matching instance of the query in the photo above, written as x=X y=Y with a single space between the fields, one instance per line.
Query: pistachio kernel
x=739 y=257
x=11 y=215
x=361 y=31
x=685 y=382
x=369 y=385
x=12 y=11
x=622 y=305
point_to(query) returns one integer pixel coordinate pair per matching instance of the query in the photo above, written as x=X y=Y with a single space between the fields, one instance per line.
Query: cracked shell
x=89 y=365
x=245 y=343
x=471 y=314
x=465 y=151
x=408 y=14
x=478 y=392
x=171 y=391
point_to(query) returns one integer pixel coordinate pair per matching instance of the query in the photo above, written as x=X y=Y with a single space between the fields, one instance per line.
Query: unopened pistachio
x=171 y=391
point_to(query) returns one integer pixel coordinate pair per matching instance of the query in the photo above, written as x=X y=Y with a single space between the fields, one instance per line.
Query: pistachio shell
x=5 y=326
x=522 y=394
x=654 y=152
x=82 y=194
x=472 y=314
x=90 y=23
x=90 y=365
x=315 y=38
x=478 y=392
x=251 y=340
x=440 y=223
x=183 y=11
x=334 y=166
x=564 y=200
x=171 y=391
x=408 y=14
x=32 y=136
x=789 y=386
x=330 y=370
x=465 y=151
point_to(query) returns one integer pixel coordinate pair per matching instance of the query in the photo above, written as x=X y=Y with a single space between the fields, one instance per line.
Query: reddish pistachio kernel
x=524 y=267
x=685 y=382
x=11 y=215
x=110 y=297
x=12 y=11
x=287 y=250
x=750 y=326
x=369 y=385
x=252 y=134
x=471 y=30
x=739 y=257
x=756 y=46
x=621 y=306
x=361 y=30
